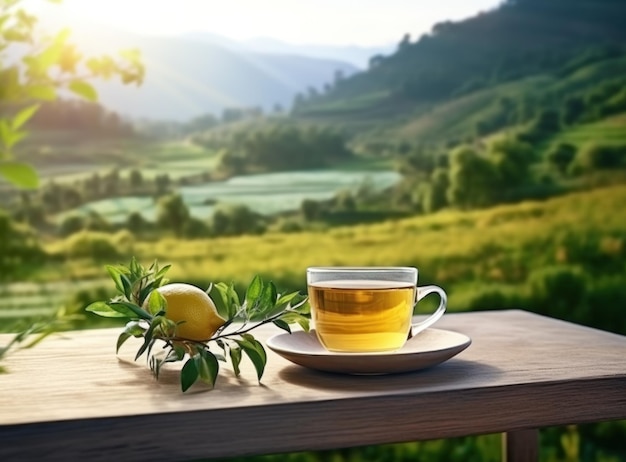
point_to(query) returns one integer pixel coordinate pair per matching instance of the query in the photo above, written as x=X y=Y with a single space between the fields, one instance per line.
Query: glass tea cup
x=367 y=309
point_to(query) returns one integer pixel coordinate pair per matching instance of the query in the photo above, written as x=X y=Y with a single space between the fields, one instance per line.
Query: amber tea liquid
x=362 y=315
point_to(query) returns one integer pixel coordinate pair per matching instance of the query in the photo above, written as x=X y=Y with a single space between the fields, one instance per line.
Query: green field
x=264 y=193
x=490 y=253
x=64 y=159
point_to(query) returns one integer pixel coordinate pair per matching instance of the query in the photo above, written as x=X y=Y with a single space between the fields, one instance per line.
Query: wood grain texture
x=72 y=397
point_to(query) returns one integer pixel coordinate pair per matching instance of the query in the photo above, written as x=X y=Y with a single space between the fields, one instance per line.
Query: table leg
x=520 y=446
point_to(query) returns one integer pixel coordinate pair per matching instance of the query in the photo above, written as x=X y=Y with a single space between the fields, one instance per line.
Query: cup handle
x=421 y=292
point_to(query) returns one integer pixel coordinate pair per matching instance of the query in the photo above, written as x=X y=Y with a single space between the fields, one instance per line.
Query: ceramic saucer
x=428 y=348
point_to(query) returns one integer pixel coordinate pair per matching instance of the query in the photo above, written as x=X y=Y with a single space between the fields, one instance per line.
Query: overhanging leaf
x=22 y=175
x=84 y=90
x=41 y=92
x=24 y=116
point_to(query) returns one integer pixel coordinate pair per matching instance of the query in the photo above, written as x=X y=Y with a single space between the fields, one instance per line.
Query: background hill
x=519 y=40
x=187 y=78
x=356 y=55
x=191 y=75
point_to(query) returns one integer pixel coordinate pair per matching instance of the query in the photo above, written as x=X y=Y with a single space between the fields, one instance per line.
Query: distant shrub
x=195 y=228
x=494 y=298
x=71 y=224
x=234 y=220
x=124 y=241
x=561 y=156
x=601 y=157
x=94 y=245
x=558 y=291
x=289 y=225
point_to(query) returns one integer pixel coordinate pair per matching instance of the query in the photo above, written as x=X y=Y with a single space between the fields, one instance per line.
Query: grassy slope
x=457 y=117
x=67 y=156
x=611 y=130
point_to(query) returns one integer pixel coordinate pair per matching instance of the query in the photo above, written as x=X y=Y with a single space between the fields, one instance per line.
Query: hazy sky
x=360 y=22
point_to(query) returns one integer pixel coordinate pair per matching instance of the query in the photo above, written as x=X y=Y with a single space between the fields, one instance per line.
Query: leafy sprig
x=146 y=311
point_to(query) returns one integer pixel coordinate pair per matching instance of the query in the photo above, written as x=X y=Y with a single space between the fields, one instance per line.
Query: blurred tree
x=511 y=159
x=136 y=222
x=136 y=180
x=472 y=179
x=561 y=156
x=338 y=77
x=435 y=196
x=375 y=61
x=71 y=224
x=311 y=210
x=172 y=213
x=601 y=157
x=162 y=184
x=18 y=247
x=405 y=43
x=43 y=67
x=233 y=220
x=573 y=110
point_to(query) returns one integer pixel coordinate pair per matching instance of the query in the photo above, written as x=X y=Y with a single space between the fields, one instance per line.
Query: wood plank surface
x=72 y=397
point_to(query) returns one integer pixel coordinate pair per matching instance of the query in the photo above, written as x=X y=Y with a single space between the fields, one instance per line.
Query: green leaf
x=255 y=351
x=162 y=272
x=254 y=291
x=235 y=357
x=135 y=329
x=179 y=352
x=233 y=299
x=103 y=309
x=21 y=175
x=188 y=374
x=219 y=295
x=130 y=309
x=127 y=285
x=284 y=299
x=41 y=92
x=282 y=324
x=24 y=116
x=207 y=366
x=292 y=317
x=84 y=90
x=148 y=340
x=156 y=302
x=268 y=298
x=121 y=339
x=116 y=275
x=13 y=138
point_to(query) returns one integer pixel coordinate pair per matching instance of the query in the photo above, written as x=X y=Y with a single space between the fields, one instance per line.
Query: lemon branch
x=143 y=300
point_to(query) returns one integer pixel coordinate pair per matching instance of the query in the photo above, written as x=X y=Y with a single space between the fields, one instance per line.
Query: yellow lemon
x=193 y=309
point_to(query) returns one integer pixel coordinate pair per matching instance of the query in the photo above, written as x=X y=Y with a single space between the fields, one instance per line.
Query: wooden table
x=72 y=398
